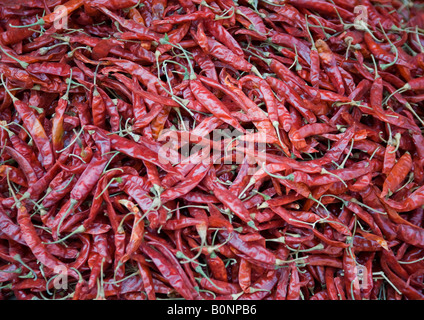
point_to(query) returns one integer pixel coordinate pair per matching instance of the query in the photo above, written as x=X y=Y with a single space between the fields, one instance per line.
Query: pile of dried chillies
x=330 y=207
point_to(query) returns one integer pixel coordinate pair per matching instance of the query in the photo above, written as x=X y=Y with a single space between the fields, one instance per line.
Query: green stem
x=23 y=64
x=73 y=141
x=72 y=204
x=324 y=171
x=18 y=258
x=200 y=270
x=80 y=229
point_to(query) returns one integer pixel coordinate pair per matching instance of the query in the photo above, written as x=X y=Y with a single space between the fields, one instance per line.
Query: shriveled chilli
x=215 y=150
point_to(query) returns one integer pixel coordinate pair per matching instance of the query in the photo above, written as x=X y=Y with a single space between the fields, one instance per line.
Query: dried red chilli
x=221 y=150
